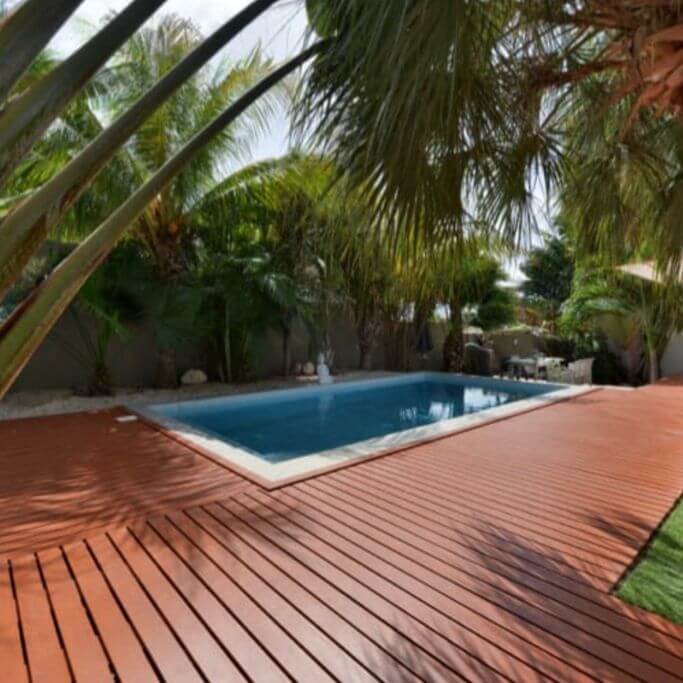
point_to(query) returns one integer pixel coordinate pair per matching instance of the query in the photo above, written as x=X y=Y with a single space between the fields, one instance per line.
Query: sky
x=279 y=31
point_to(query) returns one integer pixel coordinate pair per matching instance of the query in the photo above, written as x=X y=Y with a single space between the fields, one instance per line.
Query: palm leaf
x=27 y=117
x=24 y=33
x=23 y=334
x=26 y=228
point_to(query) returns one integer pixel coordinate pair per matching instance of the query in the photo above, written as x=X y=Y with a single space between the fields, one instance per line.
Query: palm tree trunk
x=22 y=334
x=27 y=117
x=227 y=347
x=286 y=348
x=454 y=344
x=365 y=343
x=653 y=363
x=167 y=377
x=26 y=228
x=24 y=35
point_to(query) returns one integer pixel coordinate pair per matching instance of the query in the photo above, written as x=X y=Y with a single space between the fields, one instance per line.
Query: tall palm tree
x=28 y=115
x=169 y=224
x=21 y=335
x=168 y=221
x=26 y=228
x=457 y=111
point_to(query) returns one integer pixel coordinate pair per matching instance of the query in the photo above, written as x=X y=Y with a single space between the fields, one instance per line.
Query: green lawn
x=656 y=583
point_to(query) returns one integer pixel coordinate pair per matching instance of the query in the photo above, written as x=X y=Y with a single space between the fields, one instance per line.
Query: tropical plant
x=168 y=226
x=109 y=303
x=28 y=225
x=21 y=335
x=461 y=277
x=451 y=113
x=367 y=267
x=27 y=116
x=654 y=310
x=293 y=236
x=495 y=306
x=549 y=272
x=458 y=112
x=25 y=31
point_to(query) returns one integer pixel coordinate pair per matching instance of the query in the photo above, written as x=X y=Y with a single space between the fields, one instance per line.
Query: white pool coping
x=274 y=473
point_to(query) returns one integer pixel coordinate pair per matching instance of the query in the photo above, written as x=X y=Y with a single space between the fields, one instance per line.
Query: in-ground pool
x=281 y=434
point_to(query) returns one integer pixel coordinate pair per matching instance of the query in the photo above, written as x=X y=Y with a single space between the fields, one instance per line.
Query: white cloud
x=280 y=31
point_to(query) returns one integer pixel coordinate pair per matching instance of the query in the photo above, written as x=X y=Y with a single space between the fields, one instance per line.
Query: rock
x=309 y=369
x=194 y=377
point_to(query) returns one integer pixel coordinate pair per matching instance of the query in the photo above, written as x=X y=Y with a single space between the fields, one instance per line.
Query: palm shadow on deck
x=63 y=477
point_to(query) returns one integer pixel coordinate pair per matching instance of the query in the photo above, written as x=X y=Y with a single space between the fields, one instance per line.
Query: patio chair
x=557 y=372
x=582 y=370
x=578 y=372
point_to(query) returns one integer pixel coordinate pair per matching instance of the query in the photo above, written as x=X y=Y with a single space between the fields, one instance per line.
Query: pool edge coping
x=182 y=434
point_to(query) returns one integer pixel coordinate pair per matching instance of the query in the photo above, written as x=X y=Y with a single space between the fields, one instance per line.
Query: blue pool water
x=281 y=425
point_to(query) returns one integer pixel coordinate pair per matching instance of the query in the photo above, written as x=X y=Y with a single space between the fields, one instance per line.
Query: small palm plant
x=654 y=310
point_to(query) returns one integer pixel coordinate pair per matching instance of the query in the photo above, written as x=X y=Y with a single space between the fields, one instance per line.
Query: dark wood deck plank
x=220 y=569
x=462 y=616
x=480 y=589
x=198 y=640
x=464 y=651
x=46 y=658
x=373 y=641
x=395 y=531
x=480 y=531
x=118 y=637
x=252 y=658
x=67 y=477
x=169 y=657
x=274 y=641
x=86 y=654
x=11 y=653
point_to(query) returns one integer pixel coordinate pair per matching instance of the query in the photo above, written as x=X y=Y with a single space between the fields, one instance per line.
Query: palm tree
x=367 y=267
x=453 y=111
x=27 y=116
x=457 y=112
x=240 y=262
x=460 y=276
x=24 y=230
x=168 y=225
x=25 y=31
x=20 y=335
x=28 y=225
x=654 y=310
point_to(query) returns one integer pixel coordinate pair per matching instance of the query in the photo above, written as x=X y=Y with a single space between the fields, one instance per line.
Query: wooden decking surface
x=483 y=557
x=64 y=477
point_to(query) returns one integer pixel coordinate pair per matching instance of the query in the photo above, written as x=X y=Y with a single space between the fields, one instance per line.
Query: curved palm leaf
x=22 y=334
x=24 y=34
x=24 y=120
x=26 y=228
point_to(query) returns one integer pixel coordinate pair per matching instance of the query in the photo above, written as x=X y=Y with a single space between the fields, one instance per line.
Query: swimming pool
x=286 y=433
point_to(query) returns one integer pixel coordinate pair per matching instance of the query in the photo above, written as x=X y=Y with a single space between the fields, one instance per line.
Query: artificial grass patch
x=656 y=582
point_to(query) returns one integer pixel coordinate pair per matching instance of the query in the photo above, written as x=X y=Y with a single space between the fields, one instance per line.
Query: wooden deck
x=486 y=556
x=64 y=477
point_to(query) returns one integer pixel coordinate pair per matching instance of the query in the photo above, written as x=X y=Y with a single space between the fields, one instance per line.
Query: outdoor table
x=532 y=367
